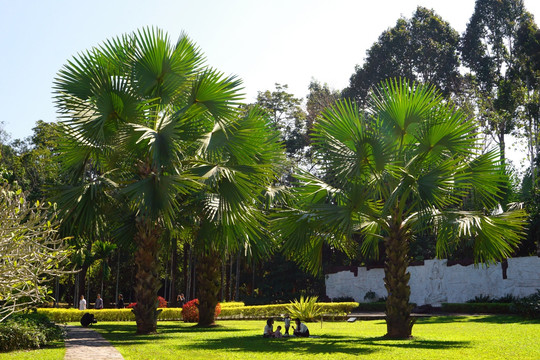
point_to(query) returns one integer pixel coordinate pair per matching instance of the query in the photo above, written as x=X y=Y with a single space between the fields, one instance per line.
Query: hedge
x=277 y=310
x=473 y=308
x=74 y=315
x=236 y=311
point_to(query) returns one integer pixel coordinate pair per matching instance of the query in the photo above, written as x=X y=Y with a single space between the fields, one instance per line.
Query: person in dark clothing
x=301 y=329
x=120 y=302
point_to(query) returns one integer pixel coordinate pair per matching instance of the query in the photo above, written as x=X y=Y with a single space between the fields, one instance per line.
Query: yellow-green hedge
x=265 y=311
x=74 y=315
x=235 y=310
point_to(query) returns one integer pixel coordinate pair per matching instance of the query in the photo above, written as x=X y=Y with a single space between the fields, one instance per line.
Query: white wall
x=434 y=282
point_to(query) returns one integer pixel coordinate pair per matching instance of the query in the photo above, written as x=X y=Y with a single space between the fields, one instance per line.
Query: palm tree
x=146 y=120
x=403 y=165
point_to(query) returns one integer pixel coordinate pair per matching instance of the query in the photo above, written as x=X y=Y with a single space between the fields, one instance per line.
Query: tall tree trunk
x=117 y=278
x=399 y=322
x=208 y=263
x=237 y=279
x=174 y=270
x=187 y=270
x=222 y=287
x=230 y=276
x=82 y=273
x=146 y=280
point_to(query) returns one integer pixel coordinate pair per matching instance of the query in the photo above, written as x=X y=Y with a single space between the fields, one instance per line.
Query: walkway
x=85 y=343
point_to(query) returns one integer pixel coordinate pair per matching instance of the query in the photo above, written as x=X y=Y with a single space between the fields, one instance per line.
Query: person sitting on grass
x=301 y=329
x=277 y=333
x=269 y=328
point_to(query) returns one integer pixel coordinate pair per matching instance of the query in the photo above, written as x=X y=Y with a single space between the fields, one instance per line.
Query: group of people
x=99 y=302
x=301 y=330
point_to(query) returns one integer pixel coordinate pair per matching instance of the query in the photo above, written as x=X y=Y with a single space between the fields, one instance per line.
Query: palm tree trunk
x=146 y=280
x=398 y=310
x=208 y=264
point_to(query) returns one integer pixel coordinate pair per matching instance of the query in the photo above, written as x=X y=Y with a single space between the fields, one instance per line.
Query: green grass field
x=472 y=337
x=486 y=337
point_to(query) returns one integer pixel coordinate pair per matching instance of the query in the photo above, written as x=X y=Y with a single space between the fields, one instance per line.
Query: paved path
x=85 y=343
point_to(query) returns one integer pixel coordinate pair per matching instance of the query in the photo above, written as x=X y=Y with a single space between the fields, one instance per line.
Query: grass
x=54 y=351
x=472 y=337
x=485 y=337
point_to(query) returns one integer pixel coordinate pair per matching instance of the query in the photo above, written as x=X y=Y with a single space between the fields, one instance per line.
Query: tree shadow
x=493 y=319
x=322 y=344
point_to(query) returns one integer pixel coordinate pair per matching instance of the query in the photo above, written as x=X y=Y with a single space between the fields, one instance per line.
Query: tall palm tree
x=147 y=119
x=404 y=164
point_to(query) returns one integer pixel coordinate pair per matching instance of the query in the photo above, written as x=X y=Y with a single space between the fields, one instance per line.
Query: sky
x=262 y=42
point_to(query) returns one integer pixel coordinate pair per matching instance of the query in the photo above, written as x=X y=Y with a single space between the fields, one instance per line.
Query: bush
x=27 y=331
x=343 y=299
x=279 y=310
x=374 y=306
x=528 y=306
x=305 y=309
x=190 y=311
x=74 y=315
x=162 y=303
x=473 y=308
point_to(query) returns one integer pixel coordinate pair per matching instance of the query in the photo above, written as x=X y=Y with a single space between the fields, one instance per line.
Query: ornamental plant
x=306 y=309
x=190 y=311
x=162 y=303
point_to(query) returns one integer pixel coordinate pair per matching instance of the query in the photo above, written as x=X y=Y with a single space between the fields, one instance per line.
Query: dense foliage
x=28 y=331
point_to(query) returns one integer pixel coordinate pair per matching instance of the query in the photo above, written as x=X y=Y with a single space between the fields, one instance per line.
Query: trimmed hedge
x=379 y=306
x=472 y=308
x=236 y=311
x=277 y=310
x=74 y=315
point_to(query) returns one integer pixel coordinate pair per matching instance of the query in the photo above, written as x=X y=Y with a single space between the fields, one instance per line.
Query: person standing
x=82 y=303
x=287 y=324
x=120 y=302
x=99 y=302
x=181 y=300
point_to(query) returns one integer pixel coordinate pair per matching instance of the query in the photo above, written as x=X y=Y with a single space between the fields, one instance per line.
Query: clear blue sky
x=263 y=42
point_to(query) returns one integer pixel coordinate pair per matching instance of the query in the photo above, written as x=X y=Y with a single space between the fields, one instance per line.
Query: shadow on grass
x=492 y=319
x=322 y=344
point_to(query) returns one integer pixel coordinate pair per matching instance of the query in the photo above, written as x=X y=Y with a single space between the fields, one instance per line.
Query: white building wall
x=435 y=282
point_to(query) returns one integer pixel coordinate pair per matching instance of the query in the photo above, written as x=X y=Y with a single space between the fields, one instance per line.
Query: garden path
x=84 y=343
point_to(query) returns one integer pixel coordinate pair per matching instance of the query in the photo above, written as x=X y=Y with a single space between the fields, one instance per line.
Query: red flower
x=190 y=311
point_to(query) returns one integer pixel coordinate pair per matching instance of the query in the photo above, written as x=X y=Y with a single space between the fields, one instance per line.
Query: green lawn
x=55 y=351
x=485 y=337
x=478 y=337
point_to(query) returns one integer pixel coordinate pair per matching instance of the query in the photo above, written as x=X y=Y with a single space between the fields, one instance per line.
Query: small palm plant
x=305 y=309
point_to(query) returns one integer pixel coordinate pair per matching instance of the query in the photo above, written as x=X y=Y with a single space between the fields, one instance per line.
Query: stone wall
x=435 y=282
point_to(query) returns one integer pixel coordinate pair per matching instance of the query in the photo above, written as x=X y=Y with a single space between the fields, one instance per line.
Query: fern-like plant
x=306 y=309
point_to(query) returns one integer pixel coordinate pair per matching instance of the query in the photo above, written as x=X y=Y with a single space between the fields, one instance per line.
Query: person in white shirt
x=269 y=328
x=82 y=303
x=301 y=329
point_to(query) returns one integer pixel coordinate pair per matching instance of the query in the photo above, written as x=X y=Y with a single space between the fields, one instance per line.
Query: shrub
x=480 y=299
x=374 y=306
x=528 y=306
x=343 y=299
x=27 y=331
x=306 y=309
x=473 y=308
x=162 y=303
x=190 y=311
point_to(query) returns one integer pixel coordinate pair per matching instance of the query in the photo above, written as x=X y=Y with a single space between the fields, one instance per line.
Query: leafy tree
x=403 y=165
x=287 y=116
x=488 y=48
x=32 y=253
x=423 y=49
x=150 y=131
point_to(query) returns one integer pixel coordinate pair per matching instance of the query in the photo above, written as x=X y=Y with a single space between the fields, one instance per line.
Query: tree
x=422 y=49
x=150 y=132
x=32 y=253
x=400 y=166
x=488 y=48
x=287 y=116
